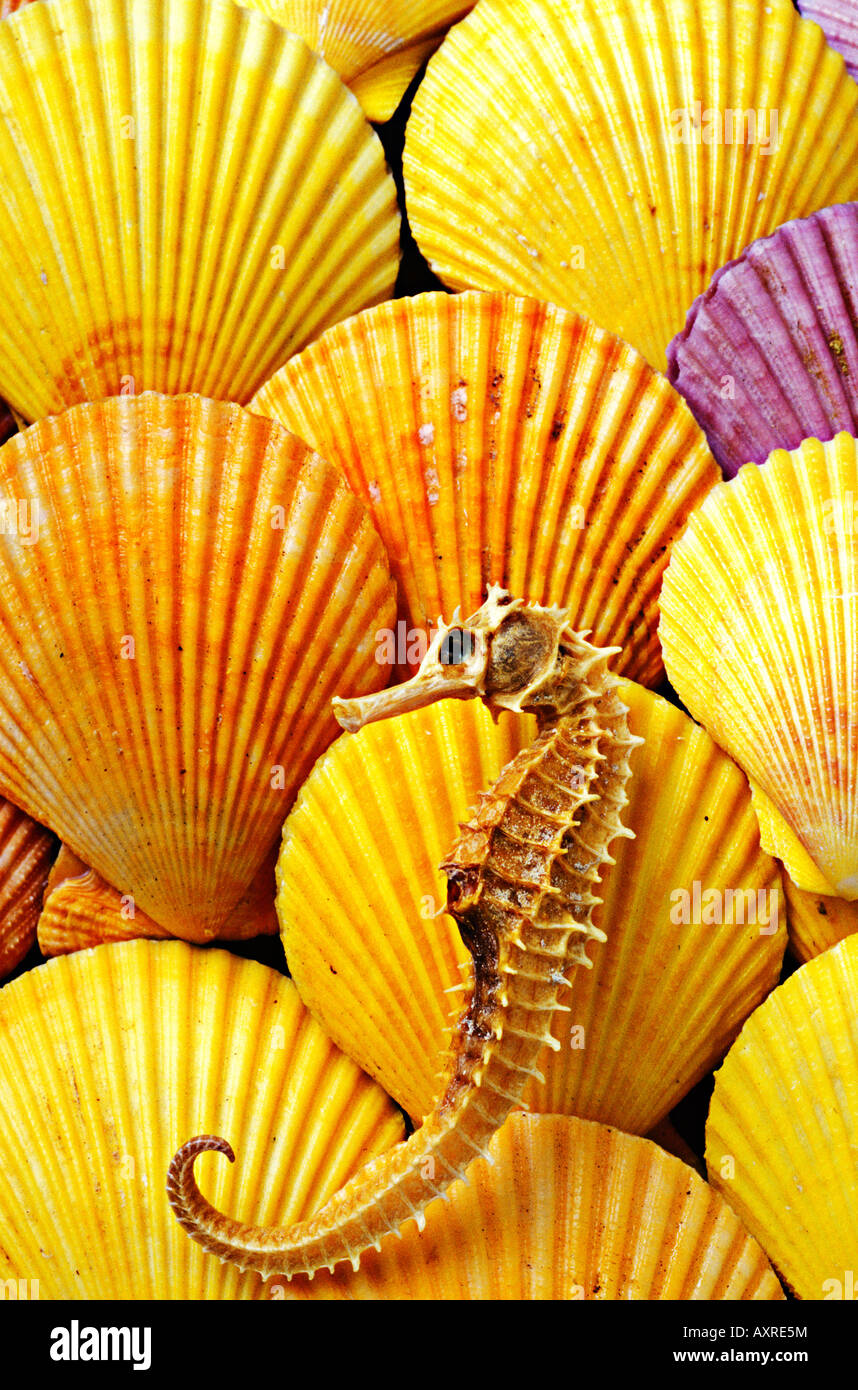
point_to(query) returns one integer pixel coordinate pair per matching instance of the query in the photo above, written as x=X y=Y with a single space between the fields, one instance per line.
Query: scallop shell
x=839 y=21
x=582 y=153
x=816 y=921
x=769 y=354
x=108 y=1059
x=376 y=47
x=81 y=910
x=279 y=215
x=759 y=611
x=26 y=851
x=381 y=88
x=502 y=440
x=566 y=1210
x=782 y=1134
x=197 y=587
x=372 y=958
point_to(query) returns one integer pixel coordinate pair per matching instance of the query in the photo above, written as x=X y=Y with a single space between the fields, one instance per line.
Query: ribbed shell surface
x=782 y=1133
x=581 y=152
x=501 y=440
x=378 y=961
x=191 y=588
x=108 y=1059
x=188 y=196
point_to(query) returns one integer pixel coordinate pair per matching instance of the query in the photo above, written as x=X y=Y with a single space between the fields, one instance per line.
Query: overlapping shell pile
x=243 y=470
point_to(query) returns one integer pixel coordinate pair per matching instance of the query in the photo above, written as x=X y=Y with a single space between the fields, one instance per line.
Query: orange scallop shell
x=567 y=1209
x=501 y=440
x=192 y=587
x=26 y=851
x=81 y=910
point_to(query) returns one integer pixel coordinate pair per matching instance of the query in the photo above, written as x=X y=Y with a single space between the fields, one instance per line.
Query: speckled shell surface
x=199 y=586
x=110 y=1056
x=782 y=1133
x=759 y=612
x=580 y=153
x=501 y=440
x=188 y=196
x=373 y=960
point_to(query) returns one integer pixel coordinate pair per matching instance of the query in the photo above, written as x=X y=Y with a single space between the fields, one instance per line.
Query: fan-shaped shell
x=498 y=439
x=26 y=851
x=193 y=588
x=769 y=354
x=189 y=196
x=372 y=959
x=782 y=1133
x=81 y=910
x=759 y=612
x=375 y=46
x=566 y=1210
x=108 y=1060
x=107 y=1057
x=611 y=157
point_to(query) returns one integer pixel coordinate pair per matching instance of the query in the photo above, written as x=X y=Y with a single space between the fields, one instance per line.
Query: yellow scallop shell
x=566 y=1210
x=501 y=440
x=361 y=900
x=375 y=46
x=190 y=195
x=611 y=157
x=759 y=611
x=109 y=1059
x=193 y=587
x=782 y=1134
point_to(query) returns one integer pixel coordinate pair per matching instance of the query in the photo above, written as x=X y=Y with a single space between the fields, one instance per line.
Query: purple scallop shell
x=839 y=21
x=769 y=353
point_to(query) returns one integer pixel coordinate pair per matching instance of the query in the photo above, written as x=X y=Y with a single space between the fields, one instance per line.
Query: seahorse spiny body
x=520 y=881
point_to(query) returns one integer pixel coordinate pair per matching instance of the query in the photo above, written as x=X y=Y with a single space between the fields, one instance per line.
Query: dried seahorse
x=520 y=881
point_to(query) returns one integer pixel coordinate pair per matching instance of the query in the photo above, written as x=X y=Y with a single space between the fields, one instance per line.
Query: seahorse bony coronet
x=520 y=886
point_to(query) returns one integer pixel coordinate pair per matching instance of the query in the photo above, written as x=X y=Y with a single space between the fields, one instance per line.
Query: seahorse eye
x=457 y=646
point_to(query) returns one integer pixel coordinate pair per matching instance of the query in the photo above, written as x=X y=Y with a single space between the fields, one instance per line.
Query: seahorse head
x=509 y=653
